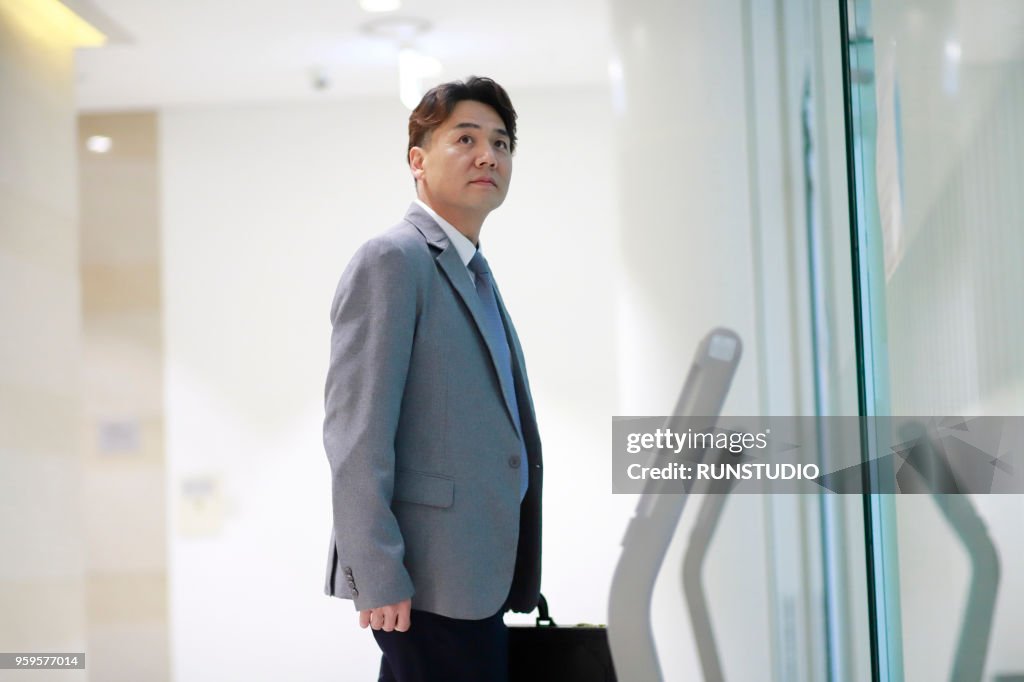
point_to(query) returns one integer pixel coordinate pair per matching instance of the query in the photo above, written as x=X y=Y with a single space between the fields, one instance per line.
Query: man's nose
x=486 y=157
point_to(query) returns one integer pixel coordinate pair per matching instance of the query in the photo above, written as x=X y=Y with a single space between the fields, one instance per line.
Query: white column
x=41 y=574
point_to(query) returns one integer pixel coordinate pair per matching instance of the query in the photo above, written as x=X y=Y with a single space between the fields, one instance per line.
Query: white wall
x=263 y=207
x=685 y=267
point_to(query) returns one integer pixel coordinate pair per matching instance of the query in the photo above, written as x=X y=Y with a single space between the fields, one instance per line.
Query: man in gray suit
x=429 y=427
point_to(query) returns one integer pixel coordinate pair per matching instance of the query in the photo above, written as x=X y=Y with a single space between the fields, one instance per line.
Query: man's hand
x=387 y=618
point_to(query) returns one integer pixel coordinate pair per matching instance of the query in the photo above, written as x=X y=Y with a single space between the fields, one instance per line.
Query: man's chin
x=484 y=207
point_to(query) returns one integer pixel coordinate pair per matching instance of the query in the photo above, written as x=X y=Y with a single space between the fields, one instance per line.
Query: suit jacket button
x=513 y=461
x=355 y=592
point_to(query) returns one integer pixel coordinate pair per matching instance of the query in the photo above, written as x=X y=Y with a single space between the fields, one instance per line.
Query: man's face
x=465 y=167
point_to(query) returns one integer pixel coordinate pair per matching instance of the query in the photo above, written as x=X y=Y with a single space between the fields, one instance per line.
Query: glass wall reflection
x=940 y=130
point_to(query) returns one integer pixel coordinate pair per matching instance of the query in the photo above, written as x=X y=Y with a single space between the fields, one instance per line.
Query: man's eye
x=503 y=144
x=465 y=138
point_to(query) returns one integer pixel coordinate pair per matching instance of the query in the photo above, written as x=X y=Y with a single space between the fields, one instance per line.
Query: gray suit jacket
x=423 y=449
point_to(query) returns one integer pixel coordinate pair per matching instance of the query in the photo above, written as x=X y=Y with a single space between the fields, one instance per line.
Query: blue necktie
x=495 y=330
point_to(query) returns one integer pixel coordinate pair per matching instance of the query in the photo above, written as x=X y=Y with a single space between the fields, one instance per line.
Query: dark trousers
x=440 y=649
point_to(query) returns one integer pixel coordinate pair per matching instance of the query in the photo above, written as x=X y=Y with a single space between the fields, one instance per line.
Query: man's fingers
x=404 y=619
x=388 y=618
x=390 y=614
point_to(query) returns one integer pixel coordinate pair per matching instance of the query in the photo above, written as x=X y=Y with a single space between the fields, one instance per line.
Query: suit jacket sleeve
x=373 y=319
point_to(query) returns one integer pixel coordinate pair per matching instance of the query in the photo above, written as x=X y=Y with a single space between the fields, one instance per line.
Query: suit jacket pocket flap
x=420 y=488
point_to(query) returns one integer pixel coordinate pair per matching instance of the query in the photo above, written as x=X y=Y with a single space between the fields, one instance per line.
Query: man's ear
x=416 y=158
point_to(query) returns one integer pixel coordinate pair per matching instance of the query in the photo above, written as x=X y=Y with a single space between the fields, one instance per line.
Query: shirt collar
x=460 y=241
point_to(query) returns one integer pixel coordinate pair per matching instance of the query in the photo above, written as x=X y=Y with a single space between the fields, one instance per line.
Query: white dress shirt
x=461 y=242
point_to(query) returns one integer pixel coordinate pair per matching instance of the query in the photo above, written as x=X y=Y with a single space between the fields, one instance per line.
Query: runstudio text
x=719 y=472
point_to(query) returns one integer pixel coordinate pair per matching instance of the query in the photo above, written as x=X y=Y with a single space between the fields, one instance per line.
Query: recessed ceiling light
x=380 y=5
x=99 y=144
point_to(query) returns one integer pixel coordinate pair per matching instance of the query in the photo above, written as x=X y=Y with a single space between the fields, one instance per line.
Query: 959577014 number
x=9 y=661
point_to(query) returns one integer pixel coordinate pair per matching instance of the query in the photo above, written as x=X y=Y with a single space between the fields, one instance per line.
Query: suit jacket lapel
x=457 y=274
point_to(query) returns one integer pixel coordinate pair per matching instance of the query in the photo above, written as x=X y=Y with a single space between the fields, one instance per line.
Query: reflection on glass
x=943 y=151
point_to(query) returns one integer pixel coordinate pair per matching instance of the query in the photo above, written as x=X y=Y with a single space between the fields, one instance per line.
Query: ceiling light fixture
x=413 y=69
x=953 y=51
x=400 y=29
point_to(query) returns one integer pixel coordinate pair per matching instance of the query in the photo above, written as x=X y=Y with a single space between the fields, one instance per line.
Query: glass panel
x=937 y=90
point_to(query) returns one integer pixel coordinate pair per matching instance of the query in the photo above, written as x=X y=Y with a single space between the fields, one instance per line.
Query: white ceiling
x=228 y=51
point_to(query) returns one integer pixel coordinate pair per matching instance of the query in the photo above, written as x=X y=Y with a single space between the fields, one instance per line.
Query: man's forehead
x=474 y=115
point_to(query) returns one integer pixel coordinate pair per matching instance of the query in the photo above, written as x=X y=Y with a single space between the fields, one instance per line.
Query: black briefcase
x=549 y=652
